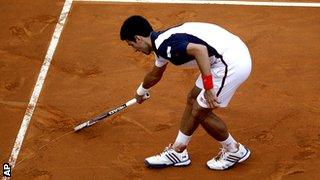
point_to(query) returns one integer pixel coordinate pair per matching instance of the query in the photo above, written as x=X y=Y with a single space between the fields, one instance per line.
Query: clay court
x=276 y=112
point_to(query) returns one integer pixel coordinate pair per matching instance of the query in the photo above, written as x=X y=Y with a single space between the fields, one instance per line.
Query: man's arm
x=151 y=79
x=154 y=76
x=200 y=52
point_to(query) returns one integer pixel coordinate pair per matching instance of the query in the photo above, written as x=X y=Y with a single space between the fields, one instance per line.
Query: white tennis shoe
x=226 y=160
x=168 y=157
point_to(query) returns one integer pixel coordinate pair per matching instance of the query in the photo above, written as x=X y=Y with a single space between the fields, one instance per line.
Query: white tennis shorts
x=228 y=72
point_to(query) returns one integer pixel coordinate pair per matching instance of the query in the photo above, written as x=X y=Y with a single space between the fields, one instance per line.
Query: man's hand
x=211 y=98
x=141 y=99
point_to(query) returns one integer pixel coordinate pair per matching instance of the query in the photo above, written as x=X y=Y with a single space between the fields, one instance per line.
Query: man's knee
x=191 y=98
x=199 y=112
x=193 y=94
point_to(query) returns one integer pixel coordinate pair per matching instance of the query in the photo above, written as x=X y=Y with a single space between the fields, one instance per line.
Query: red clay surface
x=275 y=113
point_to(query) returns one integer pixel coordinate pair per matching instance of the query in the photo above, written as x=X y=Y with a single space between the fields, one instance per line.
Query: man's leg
x=215 y=127
x=192 y=117
x=177 y=154
x=188 y=109
x=232 y=151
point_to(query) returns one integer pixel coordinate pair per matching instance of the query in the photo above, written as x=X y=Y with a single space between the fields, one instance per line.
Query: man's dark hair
x=135 y=25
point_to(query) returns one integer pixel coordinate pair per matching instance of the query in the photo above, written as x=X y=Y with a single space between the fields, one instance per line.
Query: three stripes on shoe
x=233 y=159
x=173 y=158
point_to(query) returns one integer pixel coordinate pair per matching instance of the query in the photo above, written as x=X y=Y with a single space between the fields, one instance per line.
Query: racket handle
x=134 y=100
x=131 y=102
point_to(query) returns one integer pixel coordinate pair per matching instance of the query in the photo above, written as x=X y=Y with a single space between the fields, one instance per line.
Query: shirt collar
x=153 y=37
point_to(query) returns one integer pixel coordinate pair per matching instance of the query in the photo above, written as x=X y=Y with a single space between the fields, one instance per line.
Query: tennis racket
x=100 y=117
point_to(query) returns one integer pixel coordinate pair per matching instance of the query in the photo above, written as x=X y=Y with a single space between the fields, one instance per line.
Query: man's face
x=140 y=46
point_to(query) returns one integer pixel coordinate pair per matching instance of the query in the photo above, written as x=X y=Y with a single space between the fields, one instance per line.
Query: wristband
x=141 y=90
x=207 y=82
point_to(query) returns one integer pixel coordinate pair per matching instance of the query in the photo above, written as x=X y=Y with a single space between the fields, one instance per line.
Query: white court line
x=37 y=88
x=243 y=3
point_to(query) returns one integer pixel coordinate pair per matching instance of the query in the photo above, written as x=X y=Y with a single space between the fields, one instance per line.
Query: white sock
x=229 y=144
x=182 y=139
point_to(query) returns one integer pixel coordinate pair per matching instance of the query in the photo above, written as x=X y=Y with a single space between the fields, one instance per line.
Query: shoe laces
x=165 y=151
x=221 y=155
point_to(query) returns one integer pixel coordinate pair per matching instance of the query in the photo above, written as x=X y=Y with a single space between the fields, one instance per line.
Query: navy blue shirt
x=174 y=47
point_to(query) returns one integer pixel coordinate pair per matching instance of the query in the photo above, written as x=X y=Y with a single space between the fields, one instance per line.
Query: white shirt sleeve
x=160 y=61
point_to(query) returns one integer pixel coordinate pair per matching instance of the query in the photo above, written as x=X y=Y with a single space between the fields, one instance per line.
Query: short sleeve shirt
x=171 y=44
